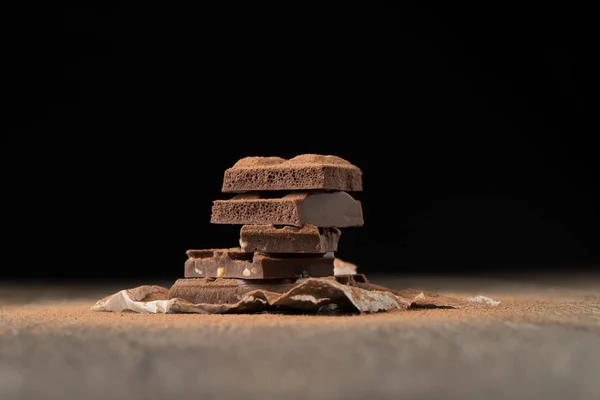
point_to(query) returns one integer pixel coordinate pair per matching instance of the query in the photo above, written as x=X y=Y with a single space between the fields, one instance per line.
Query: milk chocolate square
x=321 y=209
x=236 y=263
x=230 y=291
x=224 y=291
x=289 y=239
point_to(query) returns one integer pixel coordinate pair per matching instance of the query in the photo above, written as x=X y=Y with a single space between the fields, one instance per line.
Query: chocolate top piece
x=303 y=172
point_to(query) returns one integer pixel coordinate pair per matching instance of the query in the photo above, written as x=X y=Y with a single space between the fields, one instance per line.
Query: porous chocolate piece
x=289 y=239
x=236 y=263
x=336 y=209
x=224 y=291
x=304 y=172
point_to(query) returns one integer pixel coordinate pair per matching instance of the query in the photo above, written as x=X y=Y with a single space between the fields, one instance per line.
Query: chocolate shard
x=236 y=263
x=335 y=209
x=289 y=239
x=303 y=172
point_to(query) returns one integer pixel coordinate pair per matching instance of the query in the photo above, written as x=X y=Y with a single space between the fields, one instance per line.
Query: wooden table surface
x=542 y=341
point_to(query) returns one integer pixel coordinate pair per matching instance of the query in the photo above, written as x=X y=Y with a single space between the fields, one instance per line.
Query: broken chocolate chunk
x=224 y=291
x=230 y=291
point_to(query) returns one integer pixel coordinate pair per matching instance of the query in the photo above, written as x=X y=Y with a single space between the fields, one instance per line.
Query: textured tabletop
x=541 y=341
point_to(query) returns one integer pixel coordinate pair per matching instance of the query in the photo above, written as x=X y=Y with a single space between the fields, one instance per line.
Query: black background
x=473 y=129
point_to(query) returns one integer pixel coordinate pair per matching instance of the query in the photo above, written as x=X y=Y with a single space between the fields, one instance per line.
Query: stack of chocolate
x=290 y=212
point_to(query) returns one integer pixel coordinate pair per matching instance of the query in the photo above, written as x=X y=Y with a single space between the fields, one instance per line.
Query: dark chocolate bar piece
x=304 y=172
x=236 y=263
x=335 y=209
x=289 y=239
x=224 y=291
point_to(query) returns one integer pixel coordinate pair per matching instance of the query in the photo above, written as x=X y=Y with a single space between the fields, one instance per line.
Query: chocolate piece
x=236 y=263
x=289 y=239
x=337 y=209
x=230 y=291
x=224 y=291
x=304 y=172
